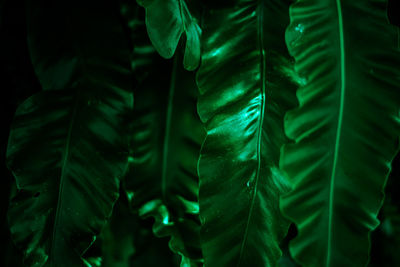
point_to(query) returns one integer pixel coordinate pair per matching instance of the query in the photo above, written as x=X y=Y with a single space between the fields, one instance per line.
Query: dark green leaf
x=166 y=21
x=345 y=129
x=244 y=94
x=67 y=146
x=166 y=137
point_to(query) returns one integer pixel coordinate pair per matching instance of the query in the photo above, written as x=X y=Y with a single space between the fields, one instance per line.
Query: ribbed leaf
x=67 y=145
x=244 y=93
x=166 y=21
x=166 y=137
x=345 y=129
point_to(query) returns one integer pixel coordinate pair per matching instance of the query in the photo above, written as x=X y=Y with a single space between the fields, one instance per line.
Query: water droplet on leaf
x=294 y=36
x=299 y=28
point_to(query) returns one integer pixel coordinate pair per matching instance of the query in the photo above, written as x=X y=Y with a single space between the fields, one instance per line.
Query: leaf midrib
x=260 y=36
x=62 y=177
x=338 y=129
x=83 y=64
x=182 y=17
x=168 y=129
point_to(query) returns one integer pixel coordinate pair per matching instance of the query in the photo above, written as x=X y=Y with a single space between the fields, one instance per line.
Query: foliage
x=216 y=133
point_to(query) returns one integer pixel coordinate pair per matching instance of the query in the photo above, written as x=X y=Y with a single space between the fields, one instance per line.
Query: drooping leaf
x=166 y=21
x=166 y=141
x=166 y=135
x=345 y=129
x=67 y=146
x=244 y=92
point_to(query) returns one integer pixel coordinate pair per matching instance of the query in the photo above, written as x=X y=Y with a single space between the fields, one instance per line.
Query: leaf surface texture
x=166 y=134
x=166 y=21
x=244 y=92
x=345 y=129
x=67 y=146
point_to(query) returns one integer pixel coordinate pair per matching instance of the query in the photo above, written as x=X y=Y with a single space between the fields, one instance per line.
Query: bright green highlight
x=338 y=131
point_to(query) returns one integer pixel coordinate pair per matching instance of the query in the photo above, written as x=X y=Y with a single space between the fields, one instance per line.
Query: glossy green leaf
x=166 y=135
x=345 y=129
x=166 y=21
x=67 y=146
x=244 y=92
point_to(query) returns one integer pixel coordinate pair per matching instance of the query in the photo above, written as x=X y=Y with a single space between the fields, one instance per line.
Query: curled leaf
x=166 y=21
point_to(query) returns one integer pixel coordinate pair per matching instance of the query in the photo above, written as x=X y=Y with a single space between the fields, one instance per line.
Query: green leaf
x=166 y=136
x=345 y=129
x=244 y=93
x=67 y=147
x=166 y=21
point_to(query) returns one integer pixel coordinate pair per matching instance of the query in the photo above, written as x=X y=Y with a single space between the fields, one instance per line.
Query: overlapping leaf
x=244 y=92
x=345 y=129
x=166 y=21
x=166 y=136
x=67 y=147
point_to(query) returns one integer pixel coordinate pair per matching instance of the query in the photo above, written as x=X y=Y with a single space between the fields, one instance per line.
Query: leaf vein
x=260 y=29
x=338 y=130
